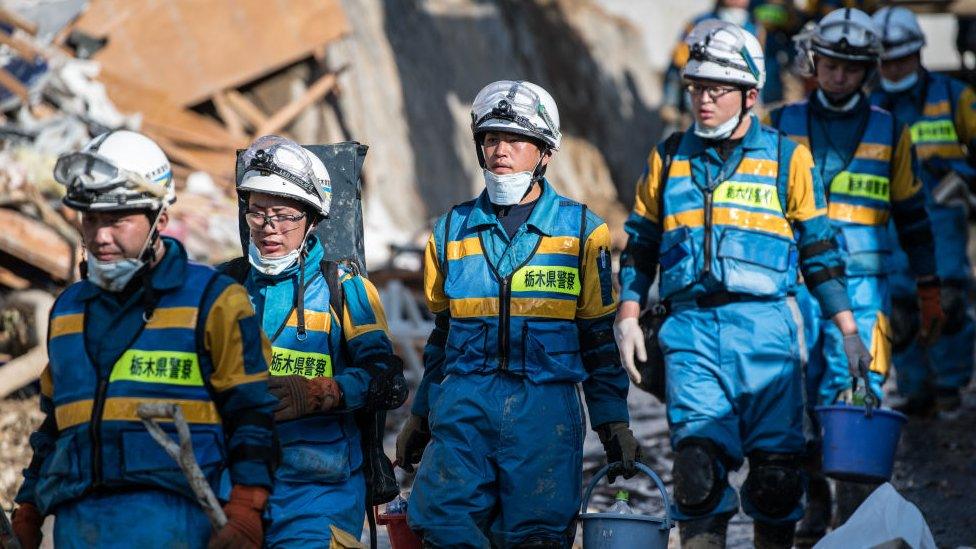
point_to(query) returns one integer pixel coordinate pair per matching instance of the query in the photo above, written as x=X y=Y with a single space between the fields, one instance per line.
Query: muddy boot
x=772 y=536
x=850 y=496
x=922 y=407
x=704 y=533
x=947 y=400
x=816 y=517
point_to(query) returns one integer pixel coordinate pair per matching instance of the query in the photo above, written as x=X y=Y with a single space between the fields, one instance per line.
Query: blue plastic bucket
x=616 y=531
x=859 y=444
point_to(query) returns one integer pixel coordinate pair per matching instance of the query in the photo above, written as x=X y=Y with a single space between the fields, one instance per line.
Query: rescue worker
x=675 y=106
x=519 y=279
x=145 y=325
x=326 y=363
x=729 y=211
x=863 y=155
x=940 y=113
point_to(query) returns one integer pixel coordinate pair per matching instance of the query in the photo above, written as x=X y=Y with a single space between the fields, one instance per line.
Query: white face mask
x=270 y=266
x=722 y=131
x=507 y=189
x=113 y=276
x=273 y=266
x=736 y=16
x=895 y=86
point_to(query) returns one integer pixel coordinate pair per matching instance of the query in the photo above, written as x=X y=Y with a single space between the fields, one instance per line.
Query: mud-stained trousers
x=144 y=519
x=504 y=465
x=734 y=378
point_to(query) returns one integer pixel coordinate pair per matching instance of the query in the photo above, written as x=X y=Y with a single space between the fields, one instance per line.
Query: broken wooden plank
x=36 y=244
x=22 y=47
x=251 y=114
x=220 y=44
x=232 y=121
x=15 y=20
x=286 y=114
x=15 y=86
x=12 y=280
x=161 y=115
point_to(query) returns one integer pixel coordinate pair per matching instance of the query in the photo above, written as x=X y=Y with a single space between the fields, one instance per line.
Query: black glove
x=623 y=450
x=411 y=441
x=858 y=356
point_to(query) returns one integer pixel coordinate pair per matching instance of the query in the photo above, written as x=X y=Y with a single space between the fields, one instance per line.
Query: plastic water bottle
x=397 y=507
x=620 y=505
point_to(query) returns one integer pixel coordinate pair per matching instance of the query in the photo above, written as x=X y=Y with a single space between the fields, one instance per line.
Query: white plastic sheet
x=883 y=517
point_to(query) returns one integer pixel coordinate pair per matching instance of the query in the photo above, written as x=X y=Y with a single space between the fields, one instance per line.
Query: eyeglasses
x=257 y=221
x=714 y=92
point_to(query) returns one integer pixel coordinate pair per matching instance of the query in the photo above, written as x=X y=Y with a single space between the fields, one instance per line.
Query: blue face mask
x=895 y=86
x=113 y=275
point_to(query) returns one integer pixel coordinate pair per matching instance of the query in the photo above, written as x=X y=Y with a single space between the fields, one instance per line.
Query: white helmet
x=901 y=34
x=848 y=34
x=725 y=52
x=118 y=170
x=279 y=166
x=516 y=106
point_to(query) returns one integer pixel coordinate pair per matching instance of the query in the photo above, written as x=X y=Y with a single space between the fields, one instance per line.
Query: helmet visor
x=847 y=39
x=272 y=154
x=89 y=172
x=514 y=102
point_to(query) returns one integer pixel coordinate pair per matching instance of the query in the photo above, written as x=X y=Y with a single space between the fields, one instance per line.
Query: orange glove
x=244 y=529
x=27 y=521
x=932 y=317
x=299 y=396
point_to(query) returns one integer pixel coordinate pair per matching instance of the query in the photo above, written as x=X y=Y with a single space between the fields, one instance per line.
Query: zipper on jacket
x=708 y=232
x=96 y=429
x=504 y=313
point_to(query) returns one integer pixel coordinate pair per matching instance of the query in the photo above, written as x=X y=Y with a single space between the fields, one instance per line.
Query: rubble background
x=397 y=75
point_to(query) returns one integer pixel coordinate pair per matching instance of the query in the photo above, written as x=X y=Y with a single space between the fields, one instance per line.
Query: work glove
x=299 y=396
x=630 y=343
x=244 y=529
x=932 y=317
x=858 y=356
x=411 y=441
x=26 y=522
x=953 y=301
x=623 y=450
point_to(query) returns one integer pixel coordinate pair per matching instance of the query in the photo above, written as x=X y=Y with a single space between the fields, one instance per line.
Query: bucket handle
x=870 y=399
x=668 y=523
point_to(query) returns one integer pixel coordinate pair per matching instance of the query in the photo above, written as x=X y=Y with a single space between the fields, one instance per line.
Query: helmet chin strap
x=300 y=294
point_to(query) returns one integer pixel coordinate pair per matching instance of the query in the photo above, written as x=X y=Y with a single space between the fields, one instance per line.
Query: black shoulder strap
x=670 y=149
x=236 y=268
x=582 y=242
x=446 y=239
x=337 y=298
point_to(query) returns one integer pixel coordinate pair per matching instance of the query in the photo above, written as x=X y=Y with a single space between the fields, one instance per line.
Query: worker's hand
x=623 y=450
x=930 y=307
x=630 y=344
x=858 y=356
x=26 y=522
x=299 y=396
x=244 y=529
x=411 y=441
